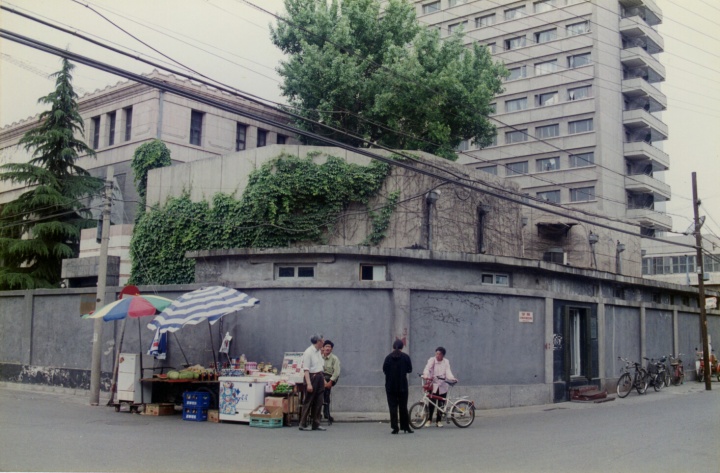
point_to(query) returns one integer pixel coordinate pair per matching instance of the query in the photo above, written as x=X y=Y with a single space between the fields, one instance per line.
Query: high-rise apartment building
x=578 y=122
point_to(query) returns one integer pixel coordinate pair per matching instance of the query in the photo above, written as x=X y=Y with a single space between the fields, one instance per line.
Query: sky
x=229 y=40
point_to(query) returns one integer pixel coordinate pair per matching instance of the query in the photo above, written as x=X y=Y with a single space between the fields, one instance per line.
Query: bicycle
x=461 y=411
x=655 y=373
x=678 y=371
x=626 y=382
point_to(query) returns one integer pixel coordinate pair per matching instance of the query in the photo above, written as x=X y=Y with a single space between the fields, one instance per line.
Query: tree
x=147 y=156
x=376 y=73
x=42 y=226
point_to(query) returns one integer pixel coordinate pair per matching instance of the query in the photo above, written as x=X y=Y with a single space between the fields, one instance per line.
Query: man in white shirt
x=313 y=364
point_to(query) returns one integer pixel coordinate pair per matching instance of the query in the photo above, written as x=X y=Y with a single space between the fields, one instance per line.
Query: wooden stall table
x=171 y=390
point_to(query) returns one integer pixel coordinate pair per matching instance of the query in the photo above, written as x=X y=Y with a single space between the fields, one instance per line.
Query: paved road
x=675 y=430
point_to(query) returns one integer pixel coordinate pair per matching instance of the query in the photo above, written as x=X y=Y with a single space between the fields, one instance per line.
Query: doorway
x=575 y=354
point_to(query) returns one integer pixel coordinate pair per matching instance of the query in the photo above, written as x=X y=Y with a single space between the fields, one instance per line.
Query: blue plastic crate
x=265 y=422
x=196 y=399
x=195 y=414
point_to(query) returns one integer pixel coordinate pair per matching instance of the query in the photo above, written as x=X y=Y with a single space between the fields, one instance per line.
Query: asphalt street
x=676 y=430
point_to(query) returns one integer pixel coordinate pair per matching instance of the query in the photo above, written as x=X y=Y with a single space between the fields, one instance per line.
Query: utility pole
x=701 y=286
x=95 y=365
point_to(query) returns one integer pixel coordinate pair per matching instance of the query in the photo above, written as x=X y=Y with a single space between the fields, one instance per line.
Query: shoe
x=439 y=424
x=394 y=431
x=306 y=429
x=408 y=431
x=331 y=419
x=428 y=423
x=320 y=428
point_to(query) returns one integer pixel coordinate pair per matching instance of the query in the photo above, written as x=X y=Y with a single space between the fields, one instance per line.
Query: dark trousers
x=313 y=400
x=326 y=403
x=432 y=407
x=397 y=401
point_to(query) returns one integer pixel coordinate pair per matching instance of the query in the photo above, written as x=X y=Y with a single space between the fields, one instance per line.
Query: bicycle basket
x=428 y=385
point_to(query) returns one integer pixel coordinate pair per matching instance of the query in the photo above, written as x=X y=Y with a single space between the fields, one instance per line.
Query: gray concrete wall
x=622 y=338
x=659 y=327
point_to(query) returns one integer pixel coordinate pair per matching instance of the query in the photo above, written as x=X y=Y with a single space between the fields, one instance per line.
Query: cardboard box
x=272 y=413
x=162 y=409
x=213 y=415
x=288 y=404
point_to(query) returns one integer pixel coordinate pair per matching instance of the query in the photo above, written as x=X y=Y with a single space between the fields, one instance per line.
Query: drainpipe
x=430 y=198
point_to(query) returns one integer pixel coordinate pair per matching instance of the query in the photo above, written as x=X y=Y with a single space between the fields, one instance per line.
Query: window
x=543 y=5
x=489 y=169
x=96 y=132
x=453 y=3
x=548 y=131
x=580 y=126
x=547 y=164
x=516 y=104
x=514 y=43
x=546 y=67
x=484 y=21
x=516 y=12
x=549 y=196
x=491 y=47
x=517 y=73
x=515 y=136
x=493 y=108
x=578 y=60
x=240 y=137
x=545 y=36
x=463 y=146
x=196 y=121
x=577 y=28
x=373 y=272
x=514 y=169
x=493 y=142
x=111 y=128
x=128 y=123
x=281 y=139
x=579 y=93
x=582 y=194
x=549 y=98
x=582 y=159
x=455 y=27
x=293 y=272
x=495 y=279
x=261 y=138
x=431 y=7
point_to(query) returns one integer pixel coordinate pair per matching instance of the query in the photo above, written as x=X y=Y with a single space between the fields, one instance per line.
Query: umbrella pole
x=212 y=345
x=142 y=394
x=181 y=350
x=116 y=365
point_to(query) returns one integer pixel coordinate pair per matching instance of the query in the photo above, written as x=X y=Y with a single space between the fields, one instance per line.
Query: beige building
x=122 y=117
x=678 y=265
x=579 y=121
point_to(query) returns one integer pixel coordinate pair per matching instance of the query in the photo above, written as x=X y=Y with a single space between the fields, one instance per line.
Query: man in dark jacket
x=396 y=367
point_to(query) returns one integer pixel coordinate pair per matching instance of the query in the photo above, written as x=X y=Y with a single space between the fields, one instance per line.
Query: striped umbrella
x=209 y=303
x=130 y=306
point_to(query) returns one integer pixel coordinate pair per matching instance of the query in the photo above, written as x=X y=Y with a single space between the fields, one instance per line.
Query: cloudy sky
x=229 y=40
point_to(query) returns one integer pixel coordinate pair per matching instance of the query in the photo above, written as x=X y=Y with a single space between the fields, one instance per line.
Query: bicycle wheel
x=624 y=385
x=678 y=375
x=418 y=415
x=462 y=413
x=641 y=381
x=659 y=382
x=666 y=378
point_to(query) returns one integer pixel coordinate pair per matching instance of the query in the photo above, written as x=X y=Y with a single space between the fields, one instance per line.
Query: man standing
x=313 y=364
x=331 y=372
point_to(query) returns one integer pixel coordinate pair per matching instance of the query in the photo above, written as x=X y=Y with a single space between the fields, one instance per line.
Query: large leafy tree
x=376 y=73
x=42 y=226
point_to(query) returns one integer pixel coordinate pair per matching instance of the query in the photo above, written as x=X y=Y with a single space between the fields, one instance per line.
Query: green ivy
x=151 y=155
x=288 y=200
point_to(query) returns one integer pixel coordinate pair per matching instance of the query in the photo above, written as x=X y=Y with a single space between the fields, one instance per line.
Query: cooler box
x=239 y=396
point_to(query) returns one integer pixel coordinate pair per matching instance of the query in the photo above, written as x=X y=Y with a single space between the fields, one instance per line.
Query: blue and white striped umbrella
x=208 y=303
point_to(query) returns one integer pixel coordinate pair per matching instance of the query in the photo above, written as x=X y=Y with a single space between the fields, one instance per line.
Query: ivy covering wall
x=288 y=200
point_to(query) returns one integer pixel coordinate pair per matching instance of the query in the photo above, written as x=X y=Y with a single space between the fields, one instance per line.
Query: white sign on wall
x=526 y=317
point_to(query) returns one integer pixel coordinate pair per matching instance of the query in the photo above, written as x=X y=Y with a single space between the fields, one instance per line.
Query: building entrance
x=575 y=348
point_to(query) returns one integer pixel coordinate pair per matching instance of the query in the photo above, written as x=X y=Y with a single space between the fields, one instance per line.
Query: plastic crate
x=196 y=399
x=268 y=423
x=195 y=414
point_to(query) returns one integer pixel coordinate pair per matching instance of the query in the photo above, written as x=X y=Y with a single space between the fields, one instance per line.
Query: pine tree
x=42 y=226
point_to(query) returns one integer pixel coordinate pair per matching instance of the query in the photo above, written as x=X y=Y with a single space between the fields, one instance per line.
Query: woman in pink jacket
x=438 y=370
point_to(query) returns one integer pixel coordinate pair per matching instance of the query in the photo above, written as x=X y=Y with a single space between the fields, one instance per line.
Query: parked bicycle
x=656 y=373
x=677 y=371
x=461 y=411
x=627 y=382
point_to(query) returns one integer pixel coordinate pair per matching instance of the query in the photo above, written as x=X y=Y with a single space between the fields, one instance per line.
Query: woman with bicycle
x=438 y=370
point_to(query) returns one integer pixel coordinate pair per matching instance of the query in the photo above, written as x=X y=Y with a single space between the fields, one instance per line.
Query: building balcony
x=641 y=119
x=636 y=88
x=647 y=9
x=644 y=184
x=642 y=151
x=650 y=218
x=635 y=28
x=637 y=57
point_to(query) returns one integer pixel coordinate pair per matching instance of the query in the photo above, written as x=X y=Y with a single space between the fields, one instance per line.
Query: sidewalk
x=82 y=396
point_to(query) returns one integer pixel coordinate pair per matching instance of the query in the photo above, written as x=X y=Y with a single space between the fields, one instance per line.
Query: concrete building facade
x=579 y=122
x=678 y=264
